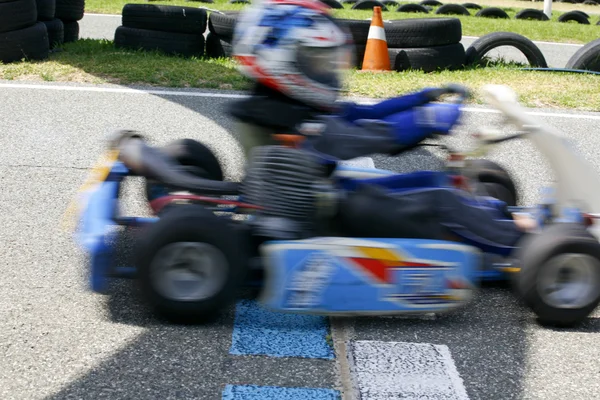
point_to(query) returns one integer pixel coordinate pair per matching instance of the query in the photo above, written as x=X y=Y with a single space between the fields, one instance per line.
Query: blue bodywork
x=368 y=276
x=99 y=218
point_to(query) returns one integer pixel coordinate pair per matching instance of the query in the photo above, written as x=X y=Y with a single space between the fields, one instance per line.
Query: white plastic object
x=577 y=181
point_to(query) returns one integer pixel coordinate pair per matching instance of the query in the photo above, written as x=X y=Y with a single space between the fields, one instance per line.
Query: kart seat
x=151 y=163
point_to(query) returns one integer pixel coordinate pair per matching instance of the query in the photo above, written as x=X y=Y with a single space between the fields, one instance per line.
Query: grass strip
x=98 y=61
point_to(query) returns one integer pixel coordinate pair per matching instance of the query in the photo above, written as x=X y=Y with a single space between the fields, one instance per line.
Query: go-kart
x=196 y=253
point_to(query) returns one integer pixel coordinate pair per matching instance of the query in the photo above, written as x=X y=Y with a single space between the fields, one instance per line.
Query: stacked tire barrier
x=46 y=13
x=22 y=36
x=426 y=44
x=220 y=35
x=70 y=12
x=427 y=6
x=171 y=29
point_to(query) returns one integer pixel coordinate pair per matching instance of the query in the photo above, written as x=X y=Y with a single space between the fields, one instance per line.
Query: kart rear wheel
x=560 y=274
x=191 y=264
x=196 y=158
x=496 y=180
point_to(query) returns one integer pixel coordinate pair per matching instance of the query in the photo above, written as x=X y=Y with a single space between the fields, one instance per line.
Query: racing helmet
x=294 y=47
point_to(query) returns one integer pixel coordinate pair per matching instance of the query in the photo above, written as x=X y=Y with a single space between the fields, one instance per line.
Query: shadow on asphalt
x=164 y=361
x=183 y=361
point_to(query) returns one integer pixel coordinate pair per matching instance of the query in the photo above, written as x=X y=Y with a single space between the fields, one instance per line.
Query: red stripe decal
x=378 y=269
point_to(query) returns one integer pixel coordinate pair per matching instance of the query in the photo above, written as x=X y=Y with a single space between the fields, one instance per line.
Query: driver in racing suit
x=297 y=54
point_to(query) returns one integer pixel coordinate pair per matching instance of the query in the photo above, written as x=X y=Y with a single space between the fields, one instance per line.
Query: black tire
x=422 y=32
x=193 y=224
x=201 y=159
x=432 y=3
x=390 y=2
x=196 y=158
x=46 y=10
x=582 y=13
x=428 y=59
x=165 y=18
x=71 y=31
x=359 y=54
x=348 y=1
x=411 y=32
x=17 y=14
x=222 y=24
x=574 y=16
x=216 y=47
x=239 y=2
x=587 y=57
x=490 y=173
x=499 y=192
x=183 y=44
x=591 y=3
x=368 y=5
x=534 y=253
x=492 y=12
x=358 y=29
x=452 y=9
x=412 y=8
x=30 y=43
x=472 y=6
x=56 y=32
x=69 y=10
x=486 y=43
x=531 y=13
x=332 y=3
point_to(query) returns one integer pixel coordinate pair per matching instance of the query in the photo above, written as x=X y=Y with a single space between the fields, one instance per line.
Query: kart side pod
x=331 y=276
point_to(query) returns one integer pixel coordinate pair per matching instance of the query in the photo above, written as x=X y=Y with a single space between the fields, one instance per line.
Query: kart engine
x=290 y=185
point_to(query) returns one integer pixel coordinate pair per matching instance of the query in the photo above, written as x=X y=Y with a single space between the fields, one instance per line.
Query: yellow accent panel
x=380 y=254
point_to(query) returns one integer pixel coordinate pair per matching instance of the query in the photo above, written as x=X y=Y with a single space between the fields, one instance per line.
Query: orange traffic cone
x=376 y=53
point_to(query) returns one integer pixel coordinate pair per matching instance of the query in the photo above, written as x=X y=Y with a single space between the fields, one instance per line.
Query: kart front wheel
x=191 y=264
x=496 y=180
x=560 y=274
x=194 y=157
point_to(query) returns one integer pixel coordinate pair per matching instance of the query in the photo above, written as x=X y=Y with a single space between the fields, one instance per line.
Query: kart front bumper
x=98 y=229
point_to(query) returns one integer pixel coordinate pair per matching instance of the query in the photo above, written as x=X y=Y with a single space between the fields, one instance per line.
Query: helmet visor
x=325 y=65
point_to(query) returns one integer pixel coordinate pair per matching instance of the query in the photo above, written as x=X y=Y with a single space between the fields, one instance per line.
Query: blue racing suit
x=388 y=127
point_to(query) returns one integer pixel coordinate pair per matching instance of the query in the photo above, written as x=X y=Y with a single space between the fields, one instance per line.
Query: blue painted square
x=258 y=331
x=251 y=392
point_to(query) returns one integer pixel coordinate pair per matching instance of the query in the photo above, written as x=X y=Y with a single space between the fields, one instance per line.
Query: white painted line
x=120 y=90
x=385 y=370
x=161 y=92
x=536 y=42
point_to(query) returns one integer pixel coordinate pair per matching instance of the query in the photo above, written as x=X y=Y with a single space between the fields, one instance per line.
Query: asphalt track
x=60 y=341
x=95 y=26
